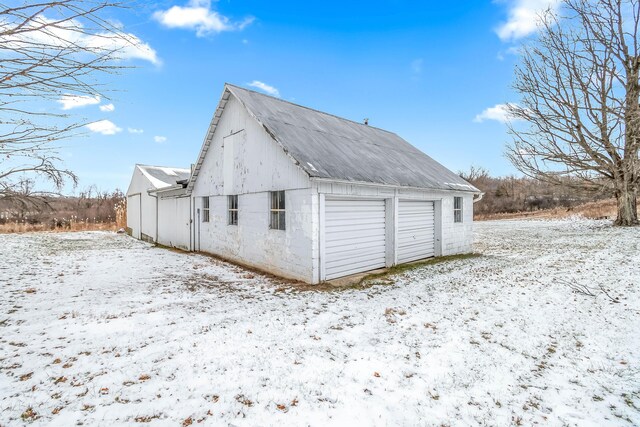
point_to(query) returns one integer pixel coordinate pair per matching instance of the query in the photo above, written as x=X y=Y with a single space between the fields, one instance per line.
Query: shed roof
x=330 y=147
x=162 y=176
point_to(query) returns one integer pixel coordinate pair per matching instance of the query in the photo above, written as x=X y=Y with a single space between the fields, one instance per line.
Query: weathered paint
x=258 y=166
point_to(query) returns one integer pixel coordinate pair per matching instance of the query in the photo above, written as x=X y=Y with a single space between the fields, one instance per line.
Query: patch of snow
x=100 y=329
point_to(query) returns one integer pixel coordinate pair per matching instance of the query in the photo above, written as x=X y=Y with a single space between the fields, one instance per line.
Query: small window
x=276 y=212
x=205 y=209
x=233 y=209
x=457 y=209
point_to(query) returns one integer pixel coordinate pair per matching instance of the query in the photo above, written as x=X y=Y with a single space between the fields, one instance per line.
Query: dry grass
x=602 y=209
x=21 y=227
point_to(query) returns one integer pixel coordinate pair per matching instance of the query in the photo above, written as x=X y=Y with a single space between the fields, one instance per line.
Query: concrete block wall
x=288 y=253
x=457 y=238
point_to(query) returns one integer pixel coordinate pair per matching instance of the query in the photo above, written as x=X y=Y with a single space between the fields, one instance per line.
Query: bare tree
x=51 y=51
x=580 y=97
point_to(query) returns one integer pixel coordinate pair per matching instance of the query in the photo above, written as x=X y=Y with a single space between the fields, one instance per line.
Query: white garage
x=354 y=236
x=305 y=195
x=142 y=205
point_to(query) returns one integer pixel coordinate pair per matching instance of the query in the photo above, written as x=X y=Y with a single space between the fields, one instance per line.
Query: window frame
x=458 y=209
x=277 y=210
x=232 y=212
x=206 y=208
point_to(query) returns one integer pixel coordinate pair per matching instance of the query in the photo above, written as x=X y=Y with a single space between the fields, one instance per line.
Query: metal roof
x=161 y=176
x=329 y=147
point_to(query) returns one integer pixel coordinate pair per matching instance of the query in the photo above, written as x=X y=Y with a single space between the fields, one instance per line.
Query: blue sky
x=433 y=72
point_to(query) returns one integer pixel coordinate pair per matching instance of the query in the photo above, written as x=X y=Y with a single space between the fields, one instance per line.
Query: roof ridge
x=309 y=108
x=165 y=167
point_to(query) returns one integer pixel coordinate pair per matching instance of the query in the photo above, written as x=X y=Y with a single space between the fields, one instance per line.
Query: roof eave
x=472 y=190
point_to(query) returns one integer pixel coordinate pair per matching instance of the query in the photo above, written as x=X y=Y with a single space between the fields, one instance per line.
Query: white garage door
x=416 y=230
x=354 y=236
x=133 y=215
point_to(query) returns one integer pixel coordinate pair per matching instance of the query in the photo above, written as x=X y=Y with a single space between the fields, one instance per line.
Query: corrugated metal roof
x=330 y=147
x=161 y=176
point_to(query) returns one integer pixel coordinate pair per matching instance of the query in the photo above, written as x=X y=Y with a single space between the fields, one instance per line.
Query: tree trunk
x=626 y=197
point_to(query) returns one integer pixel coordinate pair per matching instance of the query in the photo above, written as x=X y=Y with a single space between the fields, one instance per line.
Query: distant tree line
x=511 y=194
x=90 y=206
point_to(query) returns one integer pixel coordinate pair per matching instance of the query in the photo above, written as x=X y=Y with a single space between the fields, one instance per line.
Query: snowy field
x=100 y=329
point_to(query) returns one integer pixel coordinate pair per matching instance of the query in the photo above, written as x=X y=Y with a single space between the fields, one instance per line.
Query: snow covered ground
x=100 y=329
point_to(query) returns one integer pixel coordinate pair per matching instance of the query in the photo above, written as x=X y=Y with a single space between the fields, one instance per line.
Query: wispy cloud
x=499 y=113
x=107 y=108
x=134 y=130
x=265 y=88
x=72 y=34
x=523 y=18
x=104 y=127
x=160 y=139
x=197 y=15
x=76 y=101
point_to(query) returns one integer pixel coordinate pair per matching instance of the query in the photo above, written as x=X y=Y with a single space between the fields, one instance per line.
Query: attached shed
x=142 y=203
x=314 y=197
x=174 y=216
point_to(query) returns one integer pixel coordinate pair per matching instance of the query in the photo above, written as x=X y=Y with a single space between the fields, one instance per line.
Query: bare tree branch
x=50 y=49
x=579 y=84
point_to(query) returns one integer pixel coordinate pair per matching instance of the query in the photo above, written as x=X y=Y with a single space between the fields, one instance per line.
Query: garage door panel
x=355 y=221
x=348 y=254
x=354 y=230
x=415 y=249
x=357 y=241
x=351 y=216
x=354 y=236
x=416 y=233
x=416 y=230
x=345 y=269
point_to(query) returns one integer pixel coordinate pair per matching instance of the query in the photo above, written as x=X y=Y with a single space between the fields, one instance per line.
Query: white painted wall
x=259 y=163
x=244 y=160
x=174 y=222
x=141 y=218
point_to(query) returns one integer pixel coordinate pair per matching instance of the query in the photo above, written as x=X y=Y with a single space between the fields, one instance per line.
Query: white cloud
x=104 y=127
x=197 y=15
x=265 y=88
x=75 y=101
x=107 y=107
x=524 y=17
x=498 y=113
x=134 y=130
x=160 y=139
x=72 y=35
